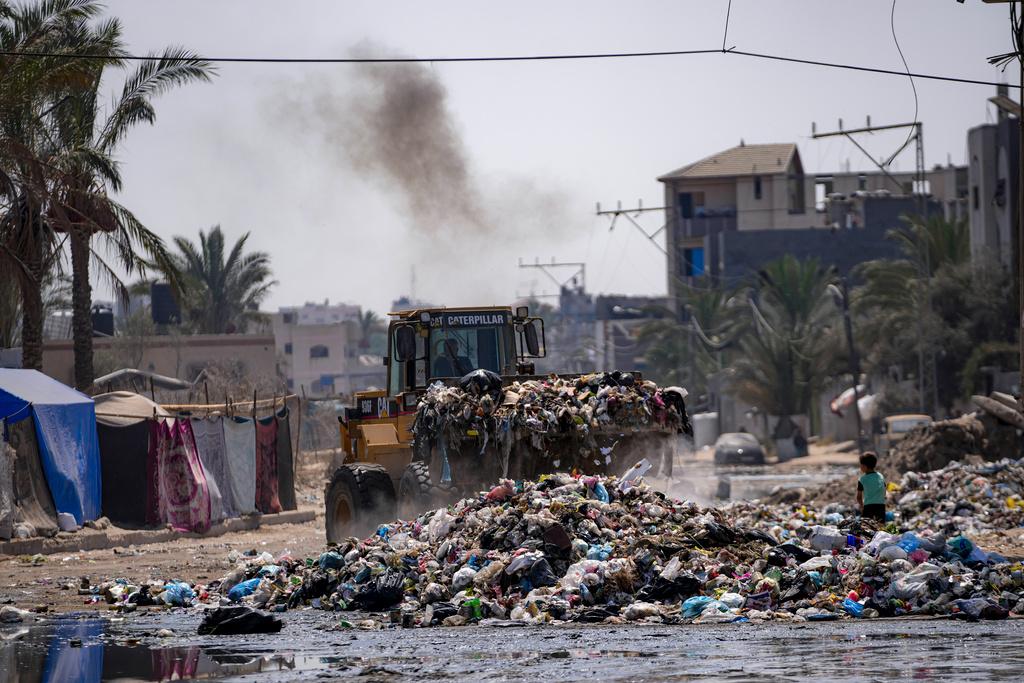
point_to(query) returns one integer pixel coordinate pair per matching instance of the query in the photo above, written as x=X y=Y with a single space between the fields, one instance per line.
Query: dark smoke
x=395 y=126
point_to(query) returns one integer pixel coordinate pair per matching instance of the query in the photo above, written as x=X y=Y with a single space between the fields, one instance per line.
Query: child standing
x=871 y=489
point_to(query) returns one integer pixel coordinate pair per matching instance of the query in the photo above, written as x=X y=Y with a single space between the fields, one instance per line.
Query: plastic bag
x=853 y=608
x=384 y=592
x=331 y=560
x=641 y=610
x=178 y=594
x=633 y=474
x=599 y=552
x=463 y=578
x=732 y=600
x=692 y=607
x=440 y=525
x=243 y=589
x=237 y=620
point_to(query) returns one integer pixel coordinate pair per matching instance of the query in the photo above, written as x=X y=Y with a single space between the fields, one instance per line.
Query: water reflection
x=82 y=651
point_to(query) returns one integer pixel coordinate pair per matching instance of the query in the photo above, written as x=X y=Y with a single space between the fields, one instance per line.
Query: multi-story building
x=730 y=213
x=321 y=350
x=993 y=169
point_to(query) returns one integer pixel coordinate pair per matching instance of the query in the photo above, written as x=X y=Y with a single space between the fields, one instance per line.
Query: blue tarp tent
x=66 y=429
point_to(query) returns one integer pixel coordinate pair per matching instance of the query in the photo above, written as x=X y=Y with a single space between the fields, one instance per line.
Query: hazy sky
x=304 y=158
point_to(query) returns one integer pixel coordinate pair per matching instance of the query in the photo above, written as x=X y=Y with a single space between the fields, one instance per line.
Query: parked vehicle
x=738 y=448
x=895 y=427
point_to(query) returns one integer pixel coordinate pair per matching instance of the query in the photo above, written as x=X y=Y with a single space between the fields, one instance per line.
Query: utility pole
x=630 y=215
x=842 y=297
x=579 y=270
x=926 y=368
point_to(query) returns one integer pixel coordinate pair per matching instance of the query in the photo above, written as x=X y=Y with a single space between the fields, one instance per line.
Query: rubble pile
x=541 y=410
x=931 y=446
x=594 y=549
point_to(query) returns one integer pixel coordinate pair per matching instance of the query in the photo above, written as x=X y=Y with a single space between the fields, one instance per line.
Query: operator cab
x=431 y=344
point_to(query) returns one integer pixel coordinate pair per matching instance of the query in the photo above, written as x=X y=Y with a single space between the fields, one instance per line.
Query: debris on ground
x=554 y=550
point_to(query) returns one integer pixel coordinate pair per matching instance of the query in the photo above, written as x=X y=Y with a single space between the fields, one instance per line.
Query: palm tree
x=84 y=168
x=789 y=350
x=57 y=151
x=221 y=293
x=932 y=302
x=697 y=344
x=29 y=248
x=368 y=321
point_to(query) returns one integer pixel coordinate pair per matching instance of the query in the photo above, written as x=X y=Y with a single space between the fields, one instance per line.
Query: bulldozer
x=387 y=469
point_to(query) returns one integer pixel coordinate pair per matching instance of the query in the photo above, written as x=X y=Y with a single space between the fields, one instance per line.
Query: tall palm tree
x=932 y=303
x=84 y=169
x=222 y=291
x=674 y=347
x=789 y=350
x=29 y=247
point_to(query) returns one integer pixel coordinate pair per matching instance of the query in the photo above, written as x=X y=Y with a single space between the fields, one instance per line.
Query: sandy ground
x=29 y=585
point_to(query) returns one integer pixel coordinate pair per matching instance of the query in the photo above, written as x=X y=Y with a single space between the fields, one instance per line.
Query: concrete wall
x=178 y=356
x=993 y=161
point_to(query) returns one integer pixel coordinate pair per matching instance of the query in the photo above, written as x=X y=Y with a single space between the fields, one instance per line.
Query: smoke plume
x=398 y=130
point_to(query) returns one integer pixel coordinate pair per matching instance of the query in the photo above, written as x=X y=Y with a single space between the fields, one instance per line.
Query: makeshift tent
x=65 y=422
x=33 y=513
x=122 y=425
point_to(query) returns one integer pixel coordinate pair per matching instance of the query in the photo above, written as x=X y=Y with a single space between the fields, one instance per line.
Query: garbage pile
x=542 y=410
x=962 y=497
x=595 y=549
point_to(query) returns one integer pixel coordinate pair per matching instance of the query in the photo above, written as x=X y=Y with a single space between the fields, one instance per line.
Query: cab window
x=456 y=352
x=399 y=373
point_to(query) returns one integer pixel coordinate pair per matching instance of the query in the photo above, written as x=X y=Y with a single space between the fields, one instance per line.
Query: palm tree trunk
x=32 y=320
x=81 y=309
x=32 y=290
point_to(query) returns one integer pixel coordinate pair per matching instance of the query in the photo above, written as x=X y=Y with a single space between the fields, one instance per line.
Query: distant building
x=993 y=169
x=732 y=212
x=181 y=356
x=321 y=350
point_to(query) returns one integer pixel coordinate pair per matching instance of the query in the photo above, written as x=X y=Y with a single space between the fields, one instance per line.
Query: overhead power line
x=503 y=58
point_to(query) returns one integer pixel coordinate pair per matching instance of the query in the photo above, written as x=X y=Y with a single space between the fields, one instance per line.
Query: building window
x=757 y=187
x=318 y=351
x=974 y=197
x=288 y=318
x=796 y=194
x=288 y=349
x=291 y=384
x=1000 y=198
x=862 y=182
x=693 y=261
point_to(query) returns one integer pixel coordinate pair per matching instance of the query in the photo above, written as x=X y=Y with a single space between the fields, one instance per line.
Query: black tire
x=357 y=499
x=417 y=494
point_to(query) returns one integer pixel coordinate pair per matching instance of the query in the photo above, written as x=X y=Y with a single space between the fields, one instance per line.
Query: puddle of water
x=85 y=651
x=96 y=650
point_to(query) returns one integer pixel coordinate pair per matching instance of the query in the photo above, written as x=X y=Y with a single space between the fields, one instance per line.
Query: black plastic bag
x=682 y=587
x=541 y=574
x=480 y=382
x=237 y=620
x=386 y=591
